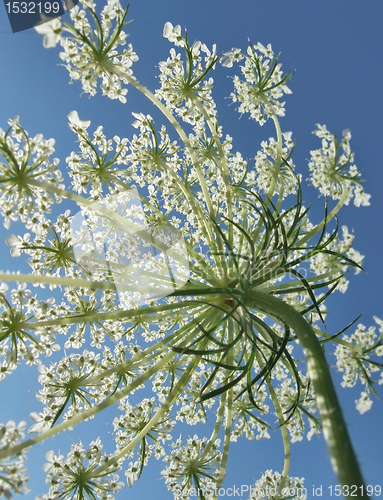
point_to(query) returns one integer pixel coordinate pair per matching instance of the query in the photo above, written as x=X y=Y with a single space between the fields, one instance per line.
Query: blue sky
x=335 y=49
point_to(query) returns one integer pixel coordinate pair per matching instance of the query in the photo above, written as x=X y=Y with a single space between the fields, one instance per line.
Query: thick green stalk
x=339 y=445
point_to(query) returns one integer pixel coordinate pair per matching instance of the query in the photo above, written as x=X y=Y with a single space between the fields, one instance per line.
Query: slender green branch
x=276 y=169
x=222 y=164
x=285 y=439
x=282 y=426
x=325 y=221
x=278 y=160
x=217 y=426
x=172 y=397
x=186 y=141
x=229 y=413
x=338 y=340
x=80 y=417
x=59 y=280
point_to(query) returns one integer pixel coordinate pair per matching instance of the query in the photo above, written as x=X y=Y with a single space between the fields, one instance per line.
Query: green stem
x=285 y=439
x=223 y=166
x=59 y=280
x=276 y=169
x=189 y=147
x=172 y=397
x=339 y=445
x=325 y=221
x=229 y=414
x=87 y=413
x=277 y=163
x=217 y=426
x=338 y=340
x=282 y=426
x=121 y=315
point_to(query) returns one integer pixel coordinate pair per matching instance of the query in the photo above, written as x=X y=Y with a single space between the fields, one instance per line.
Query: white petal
x=75 y=120
x=35 y=416
x=12 y=239
x=168 y=30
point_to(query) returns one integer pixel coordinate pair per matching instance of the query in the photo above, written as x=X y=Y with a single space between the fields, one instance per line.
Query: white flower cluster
x=69 y=380
x=334 y=173
x=13 y=478
x=267 y=487
x=355 y=359
x=191 y=409
x=87 y=59
x=16 y=342
x=77 y=476
x=27 y=175
x=182 y=84
x=305 y=409
x=152 y=154
x=192 y=468
x=329 y=262
x=264 y=82
x=267 y=167
x=96 y=165
x=134 y=419
x=246 y=420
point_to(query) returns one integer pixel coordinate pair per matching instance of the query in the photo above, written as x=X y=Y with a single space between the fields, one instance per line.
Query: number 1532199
x=33 y=8
x=354 y=491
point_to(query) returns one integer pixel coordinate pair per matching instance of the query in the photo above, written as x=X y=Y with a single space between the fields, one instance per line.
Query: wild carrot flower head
x=190 y=276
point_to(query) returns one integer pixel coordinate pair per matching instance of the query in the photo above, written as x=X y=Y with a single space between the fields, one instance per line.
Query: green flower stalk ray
x=184 y=267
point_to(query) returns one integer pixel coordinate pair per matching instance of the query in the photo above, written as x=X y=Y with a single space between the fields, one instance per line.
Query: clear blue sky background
x=336 y=49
